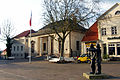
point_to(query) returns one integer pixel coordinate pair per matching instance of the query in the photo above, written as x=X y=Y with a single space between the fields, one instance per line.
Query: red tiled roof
x=92 y=33
x=4 y=52
x=24 y=34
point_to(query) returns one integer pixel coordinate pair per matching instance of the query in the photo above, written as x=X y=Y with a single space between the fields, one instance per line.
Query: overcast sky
x=19 y=11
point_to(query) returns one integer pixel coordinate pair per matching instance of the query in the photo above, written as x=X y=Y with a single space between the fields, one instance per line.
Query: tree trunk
x=62 y=48
x=9 y=46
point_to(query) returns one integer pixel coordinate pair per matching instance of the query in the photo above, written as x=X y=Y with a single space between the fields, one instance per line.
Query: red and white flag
x=30 y=19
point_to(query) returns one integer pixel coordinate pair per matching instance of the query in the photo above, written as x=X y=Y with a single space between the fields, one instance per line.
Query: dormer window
x=117 y=13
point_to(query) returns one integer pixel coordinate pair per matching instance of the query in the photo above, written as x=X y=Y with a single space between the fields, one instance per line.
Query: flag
x=30 y=19
x=0 y=30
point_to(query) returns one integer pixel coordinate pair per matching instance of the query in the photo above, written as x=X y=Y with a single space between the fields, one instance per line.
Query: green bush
x=105 y=56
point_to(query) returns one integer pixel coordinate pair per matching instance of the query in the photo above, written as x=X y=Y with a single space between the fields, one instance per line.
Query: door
x=104 y=49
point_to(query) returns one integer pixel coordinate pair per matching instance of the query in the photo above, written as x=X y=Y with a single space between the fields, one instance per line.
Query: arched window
x=117 y=13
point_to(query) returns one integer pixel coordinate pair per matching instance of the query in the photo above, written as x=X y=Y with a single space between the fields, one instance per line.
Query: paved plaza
x=43 y=70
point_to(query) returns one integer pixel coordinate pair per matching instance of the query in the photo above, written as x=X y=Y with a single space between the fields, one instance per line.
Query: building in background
x=106 y=32
x=4 y=54
x=91 y=37
x=46 y=42
x=20 y=47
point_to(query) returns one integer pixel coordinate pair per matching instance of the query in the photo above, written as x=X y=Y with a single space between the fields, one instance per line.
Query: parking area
x=43 y=70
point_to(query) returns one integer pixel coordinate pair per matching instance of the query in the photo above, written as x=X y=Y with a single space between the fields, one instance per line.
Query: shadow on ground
x=115 y=77
x=41 y=58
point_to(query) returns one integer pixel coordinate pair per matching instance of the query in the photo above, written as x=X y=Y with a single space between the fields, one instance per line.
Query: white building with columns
x=45 y=44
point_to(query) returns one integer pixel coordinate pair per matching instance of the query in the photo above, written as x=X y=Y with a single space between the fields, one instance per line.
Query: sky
x=19 y=11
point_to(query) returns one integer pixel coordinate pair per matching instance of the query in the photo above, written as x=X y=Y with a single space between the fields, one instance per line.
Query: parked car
x=53 y=58
x=84 y=58
x=11 y=58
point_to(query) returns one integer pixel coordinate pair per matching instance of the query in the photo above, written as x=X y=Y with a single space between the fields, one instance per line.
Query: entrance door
x=104 y=49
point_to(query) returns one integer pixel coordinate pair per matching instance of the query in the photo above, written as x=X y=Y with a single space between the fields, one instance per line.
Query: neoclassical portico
x=46 y=45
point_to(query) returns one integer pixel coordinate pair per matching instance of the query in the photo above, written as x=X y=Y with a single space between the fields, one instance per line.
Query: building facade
x=107 y=31
x=20 y=47
x=45 y=44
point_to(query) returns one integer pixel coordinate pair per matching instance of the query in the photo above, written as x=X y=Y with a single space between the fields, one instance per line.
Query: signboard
x=88 y=44
x=113 y=38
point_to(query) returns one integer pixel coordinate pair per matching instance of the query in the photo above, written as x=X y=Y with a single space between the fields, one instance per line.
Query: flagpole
x=30 y=48
x=30 y=56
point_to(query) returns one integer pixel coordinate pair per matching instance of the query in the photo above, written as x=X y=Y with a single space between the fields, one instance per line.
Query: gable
x=113 y=11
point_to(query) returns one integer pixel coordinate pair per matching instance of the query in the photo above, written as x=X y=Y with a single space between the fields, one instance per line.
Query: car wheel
x=88 y=62
x=78 y=61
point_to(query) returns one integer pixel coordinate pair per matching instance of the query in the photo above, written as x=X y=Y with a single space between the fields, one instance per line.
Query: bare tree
x=64 y=16
x=7 y=35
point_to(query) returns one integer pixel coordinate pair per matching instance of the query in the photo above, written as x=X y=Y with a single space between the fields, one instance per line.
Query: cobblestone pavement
x=43 y=70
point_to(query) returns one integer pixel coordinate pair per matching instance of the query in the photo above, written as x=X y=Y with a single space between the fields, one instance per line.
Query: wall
x=18 y=48
x=76 y=36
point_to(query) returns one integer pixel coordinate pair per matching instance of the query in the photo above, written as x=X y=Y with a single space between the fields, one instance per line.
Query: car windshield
x=83 y=55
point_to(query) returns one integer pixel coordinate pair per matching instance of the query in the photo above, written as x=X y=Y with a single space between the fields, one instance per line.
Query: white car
x=54 y=60
x=58 y=59
x=11 y=58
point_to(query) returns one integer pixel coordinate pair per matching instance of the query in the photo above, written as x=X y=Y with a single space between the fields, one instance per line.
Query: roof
x=24 y=34
x=92 y=33
x=4 y=52
x=47 y=29
x=108 y=10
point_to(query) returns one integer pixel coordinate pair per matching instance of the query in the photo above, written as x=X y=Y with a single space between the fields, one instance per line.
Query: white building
x=20 y=47
x=107 y=31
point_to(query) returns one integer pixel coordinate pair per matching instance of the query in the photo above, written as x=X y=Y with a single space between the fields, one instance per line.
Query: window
x=21 y=48
x=14 y=48
x=17 y=48
x=114 y=30
x=32 y=46
x=118 y=49
x=117 y=13
x=44 y=46
x=77 y=45
x=17 y=55
x=103 y=31
x=111 y=49
x=26 y=40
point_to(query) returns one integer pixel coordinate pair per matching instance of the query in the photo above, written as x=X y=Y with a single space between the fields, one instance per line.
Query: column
x=49 y=45
x=107 y=48
x=41 y=46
